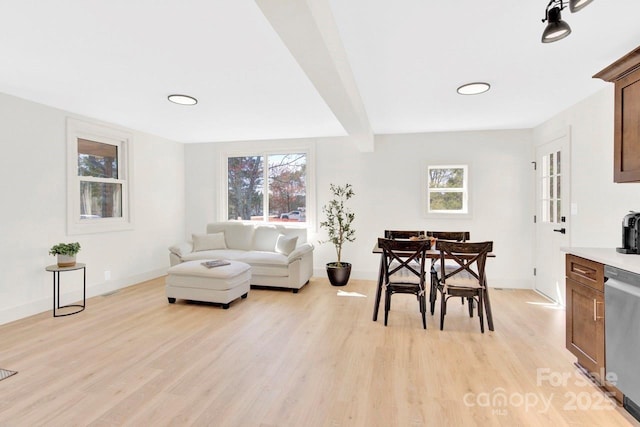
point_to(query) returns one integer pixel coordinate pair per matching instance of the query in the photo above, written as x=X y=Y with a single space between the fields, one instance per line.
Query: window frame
x=78 y=129
x=223 y=191
x=465 y=190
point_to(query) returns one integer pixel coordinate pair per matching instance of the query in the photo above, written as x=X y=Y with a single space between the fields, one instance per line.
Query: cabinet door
x=627 y=129
x=585 y=326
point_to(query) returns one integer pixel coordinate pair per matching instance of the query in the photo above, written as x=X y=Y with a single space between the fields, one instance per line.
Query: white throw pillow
x=285 y=245
x=265 y=238
x=207 y=242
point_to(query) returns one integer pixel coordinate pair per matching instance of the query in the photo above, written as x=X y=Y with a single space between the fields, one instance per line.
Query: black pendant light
x=577 y=5
x=556 y=28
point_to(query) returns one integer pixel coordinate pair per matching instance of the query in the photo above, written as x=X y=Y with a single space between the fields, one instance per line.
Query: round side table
x=56 y=288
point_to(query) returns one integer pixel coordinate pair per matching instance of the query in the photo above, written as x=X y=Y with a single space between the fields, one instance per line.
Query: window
x=98 y=178
x=447 y=190
x=268 y=187
x=551 y=182
x=100 y=188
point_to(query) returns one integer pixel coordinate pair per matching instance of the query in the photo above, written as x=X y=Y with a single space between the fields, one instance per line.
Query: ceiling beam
x=308 y=30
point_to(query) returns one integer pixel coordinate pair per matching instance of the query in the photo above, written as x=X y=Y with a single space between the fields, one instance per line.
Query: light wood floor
x=284 y=359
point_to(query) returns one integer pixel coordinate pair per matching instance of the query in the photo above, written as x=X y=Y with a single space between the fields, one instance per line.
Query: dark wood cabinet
x=585 y=312
x=585 y=317
x=625 y=74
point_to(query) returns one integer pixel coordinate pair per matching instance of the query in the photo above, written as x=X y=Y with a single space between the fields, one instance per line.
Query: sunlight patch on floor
x=350 y=294
x=549 y=305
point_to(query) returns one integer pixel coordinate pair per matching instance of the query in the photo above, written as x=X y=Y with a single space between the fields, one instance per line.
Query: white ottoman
x=193 y=281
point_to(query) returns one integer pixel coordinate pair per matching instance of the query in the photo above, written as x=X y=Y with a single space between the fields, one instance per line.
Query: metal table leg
x=56 y=292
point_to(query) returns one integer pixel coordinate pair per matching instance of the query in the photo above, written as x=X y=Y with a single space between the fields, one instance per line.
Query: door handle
x=562 y=230
x=595 y=310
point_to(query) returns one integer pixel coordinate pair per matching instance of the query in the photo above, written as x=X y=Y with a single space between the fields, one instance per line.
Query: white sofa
x=279 y=256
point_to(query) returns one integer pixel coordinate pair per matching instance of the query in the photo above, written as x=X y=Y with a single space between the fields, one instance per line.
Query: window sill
x=98 y=226
x=445 y=215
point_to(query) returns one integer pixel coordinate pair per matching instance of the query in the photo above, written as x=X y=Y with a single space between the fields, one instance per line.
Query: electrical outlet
x=107 y=275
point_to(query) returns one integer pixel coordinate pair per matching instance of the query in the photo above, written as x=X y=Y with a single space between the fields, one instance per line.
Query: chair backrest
x=454 y=236
x=403 y=254
x=402 y=234
x=470 y=259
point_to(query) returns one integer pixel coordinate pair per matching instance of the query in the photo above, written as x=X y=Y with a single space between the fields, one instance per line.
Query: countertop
x=607 y=256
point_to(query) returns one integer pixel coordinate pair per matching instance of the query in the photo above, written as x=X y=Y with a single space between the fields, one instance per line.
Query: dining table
x=432 y=254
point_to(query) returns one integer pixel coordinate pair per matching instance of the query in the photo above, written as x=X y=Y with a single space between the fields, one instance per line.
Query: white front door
x=552 y=216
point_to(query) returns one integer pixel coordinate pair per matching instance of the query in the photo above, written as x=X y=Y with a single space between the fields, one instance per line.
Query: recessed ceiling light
x=474 y=88
x=182 y=99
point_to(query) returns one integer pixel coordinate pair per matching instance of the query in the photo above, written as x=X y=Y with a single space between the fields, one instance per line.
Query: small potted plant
x=66 y=253
x=338 y=225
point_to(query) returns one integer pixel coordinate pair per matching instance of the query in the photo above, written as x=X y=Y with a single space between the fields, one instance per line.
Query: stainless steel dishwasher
x=622 y=333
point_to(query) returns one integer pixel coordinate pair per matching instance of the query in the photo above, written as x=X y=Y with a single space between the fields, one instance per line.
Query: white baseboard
x=46 y=304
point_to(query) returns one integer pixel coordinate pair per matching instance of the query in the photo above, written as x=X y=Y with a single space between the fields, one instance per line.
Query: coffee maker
x=630 y=234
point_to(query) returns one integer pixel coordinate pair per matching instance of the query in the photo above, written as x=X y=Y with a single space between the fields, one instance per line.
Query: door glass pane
x=558 y=211
x=97 y=159
x=287 y=187
x=100 y=200
x=551 y=187
x=245 y=188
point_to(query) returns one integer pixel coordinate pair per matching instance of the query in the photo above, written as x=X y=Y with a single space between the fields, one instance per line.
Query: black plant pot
x=338 y=276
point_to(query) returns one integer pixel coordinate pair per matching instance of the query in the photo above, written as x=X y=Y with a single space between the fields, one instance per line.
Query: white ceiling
x=118 y=60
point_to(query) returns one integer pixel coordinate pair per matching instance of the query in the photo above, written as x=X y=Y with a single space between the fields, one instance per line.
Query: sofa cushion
x=230 y=254
x=206 y=242
x=237 y=234
x=301 y=233
x=263 y=263
x=265 y=237
x=266 y=263
x=263 y=258
x=286 y=244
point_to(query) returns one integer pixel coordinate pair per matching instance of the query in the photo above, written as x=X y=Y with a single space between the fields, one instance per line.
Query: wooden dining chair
x=402 y=234
x=395 y=235
x=452 y=236
x=404 y=271
x=468 y=280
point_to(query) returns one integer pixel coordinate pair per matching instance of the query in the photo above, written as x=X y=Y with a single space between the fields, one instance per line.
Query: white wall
x=33 y=212
x=176 y=194
x=601 y=203
x=388 y=184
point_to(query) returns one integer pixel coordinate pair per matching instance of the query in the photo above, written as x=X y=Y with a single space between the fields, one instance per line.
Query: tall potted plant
x=338 y=225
